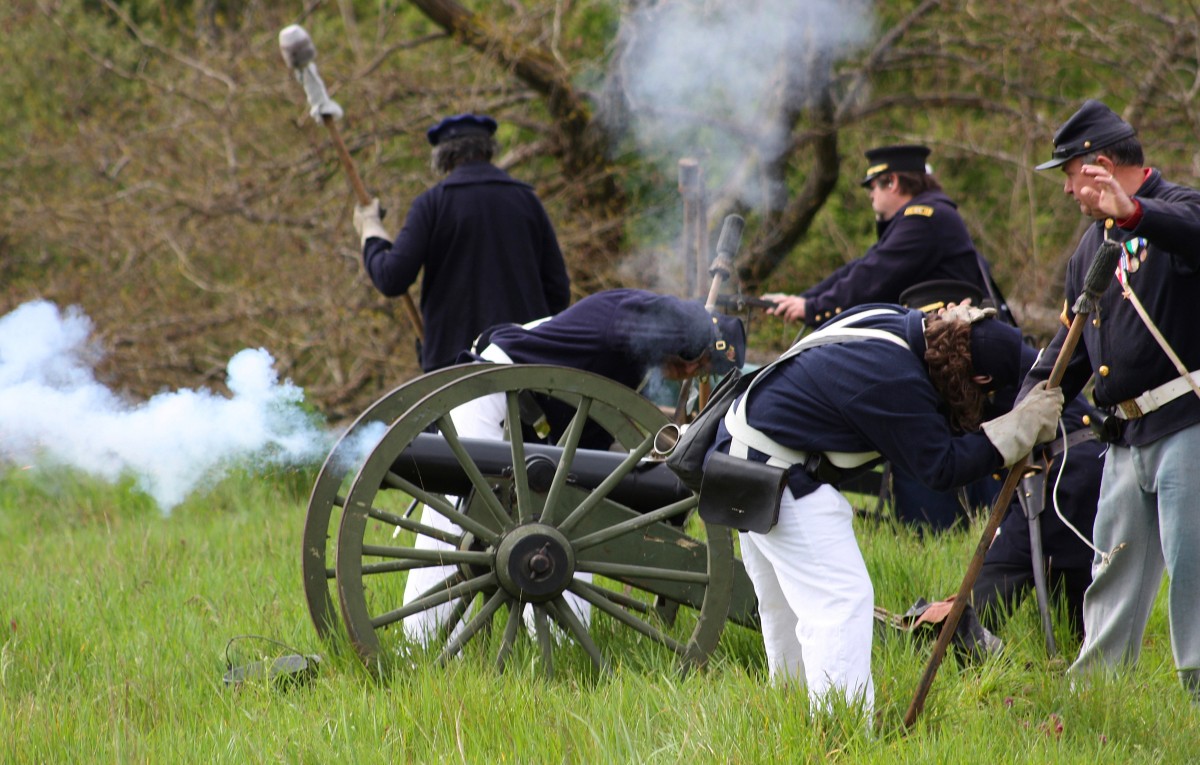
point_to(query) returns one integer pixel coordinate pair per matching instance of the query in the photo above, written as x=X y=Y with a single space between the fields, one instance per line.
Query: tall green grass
x=117 y=623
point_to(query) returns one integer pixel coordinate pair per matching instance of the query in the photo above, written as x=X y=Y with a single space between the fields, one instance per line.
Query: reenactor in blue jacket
x=906 y=387
x=922 y=238
x=1142 y=349
x=487 y=248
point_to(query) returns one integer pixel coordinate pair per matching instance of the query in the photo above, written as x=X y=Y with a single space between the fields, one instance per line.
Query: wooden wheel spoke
x=433 y=557
x=443 y=506
x=619 y=598
x=517 y=444
x=569 y=444
x=632 y=571
x=595 y=596
x=512 y=627
x=636 y=523
x=545 y=641
x=392 y=567
x=453 y=619
x=406 y=523
x=597 y=495
x=471 y=628
x=482 y=488
x=566 y=617
x=469 y=588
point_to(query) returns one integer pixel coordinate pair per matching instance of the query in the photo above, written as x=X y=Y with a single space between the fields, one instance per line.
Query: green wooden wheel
x=327 y=497
x=524 y=542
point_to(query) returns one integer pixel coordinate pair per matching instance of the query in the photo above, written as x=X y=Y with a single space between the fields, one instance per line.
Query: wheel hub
x=535 y=562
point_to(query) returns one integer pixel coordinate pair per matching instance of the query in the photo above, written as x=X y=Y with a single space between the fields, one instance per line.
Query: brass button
x=1103 y=370
x=1087 y=419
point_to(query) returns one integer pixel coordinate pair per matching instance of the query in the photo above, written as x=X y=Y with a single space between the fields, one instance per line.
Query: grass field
x=118 y=622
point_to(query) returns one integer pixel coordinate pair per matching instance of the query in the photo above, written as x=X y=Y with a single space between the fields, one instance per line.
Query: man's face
x=675 y=368
x=886 y=199
x=1074 y=181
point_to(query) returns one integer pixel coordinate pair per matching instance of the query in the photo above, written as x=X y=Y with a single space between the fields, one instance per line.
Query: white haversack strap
x=745 y=436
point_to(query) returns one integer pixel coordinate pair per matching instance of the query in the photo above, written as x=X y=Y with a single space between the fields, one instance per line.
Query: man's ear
x=981 y=380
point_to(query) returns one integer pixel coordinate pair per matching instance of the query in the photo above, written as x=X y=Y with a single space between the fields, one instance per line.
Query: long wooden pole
x=1095 y=283
x=360 y=191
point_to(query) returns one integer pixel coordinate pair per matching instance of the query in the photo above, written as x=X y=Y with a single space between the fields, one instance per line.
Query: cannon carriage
x=535 y=515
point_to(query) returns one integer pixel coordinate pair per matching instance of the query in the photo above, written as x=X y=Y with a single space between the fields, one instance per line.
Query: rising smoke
x=54 y=413
x=717 y=78
x=721 y=81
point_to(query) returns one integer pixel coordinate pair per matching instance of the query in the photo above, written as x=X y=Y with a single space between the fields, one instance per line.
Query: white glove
x=968 y=313
x=1034 y=420
x=367 y=221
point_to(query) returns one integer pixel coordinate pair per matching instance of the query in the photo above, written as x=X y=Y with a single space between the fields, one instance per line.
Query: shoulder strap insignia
x=925 y=210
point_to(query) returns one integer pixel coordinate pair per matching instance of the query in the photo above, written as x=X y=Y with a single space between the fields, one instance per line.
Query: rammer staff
x=300 y=55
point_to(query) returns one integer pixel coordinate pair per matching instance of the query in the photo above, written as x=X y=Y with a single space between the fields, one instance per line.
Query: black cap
x=996 y=351
x=460 y=125
x=1093 y=127
x=935 y=294
x=728 y=343
x=895 y=159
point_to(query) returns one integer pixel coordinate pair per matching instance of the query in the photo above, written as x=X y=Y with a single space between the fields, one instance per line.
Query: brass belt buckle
x=1130 y=409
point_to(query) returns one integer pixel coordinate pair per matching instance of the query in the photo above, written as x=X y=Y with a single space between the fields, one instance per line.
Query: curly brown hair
x=948 y=356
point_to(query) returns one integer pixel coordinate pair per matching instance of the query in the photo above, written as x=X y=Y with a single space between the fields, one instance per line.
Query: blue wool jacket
x=926 y=240
x=867 y=395
x=1162 y=261
x=489 y=255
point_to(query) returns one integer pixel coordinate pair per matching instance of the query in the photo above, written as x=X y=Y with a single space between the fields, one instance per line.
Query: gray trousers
x=1150 y=503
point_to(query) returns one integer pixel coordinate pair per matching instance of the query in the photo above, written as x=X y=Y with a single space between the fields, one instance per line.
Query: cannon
x=533 y=516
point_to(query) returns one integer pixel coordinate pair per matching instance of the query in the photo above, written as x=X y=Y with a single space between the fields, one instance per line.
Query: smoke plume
x=717 y=79
x=54 y=413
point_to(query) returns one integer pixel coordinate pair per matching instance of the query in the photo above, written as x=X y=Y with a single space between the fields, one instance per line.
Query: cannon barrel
x=429 y=463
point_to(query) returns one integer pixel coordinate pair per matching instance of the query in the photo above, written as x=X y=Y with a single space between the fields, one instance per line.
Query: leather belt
x=1074 y=438
x=1156 y=397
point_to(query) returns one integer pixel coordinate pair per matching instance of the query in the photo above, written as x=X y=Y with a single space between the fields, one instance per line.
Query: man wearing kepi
x=921 y=238
x=881 y=386
x=1140 y=347
x=486 y=245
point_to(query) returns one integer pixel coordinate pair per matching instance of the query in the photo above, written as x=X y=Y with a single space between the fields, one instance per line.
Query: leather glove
x=968 y=313
x=368 y=221
x=1034 y=420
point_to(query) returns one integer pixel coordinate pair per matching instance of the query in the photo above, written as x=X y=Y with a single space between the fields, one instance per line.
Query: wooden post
x=702 y=251
x=689 y=184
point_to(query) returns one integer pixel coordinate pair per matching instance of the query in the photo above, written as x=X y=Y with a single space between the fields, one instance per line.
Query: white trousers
x=815 y=599
x=479 y=418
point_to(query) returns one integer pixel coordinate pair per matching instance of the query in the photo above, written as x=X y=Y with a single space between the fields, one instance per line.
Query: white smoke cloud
x=706 y=76
x=54 y=412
